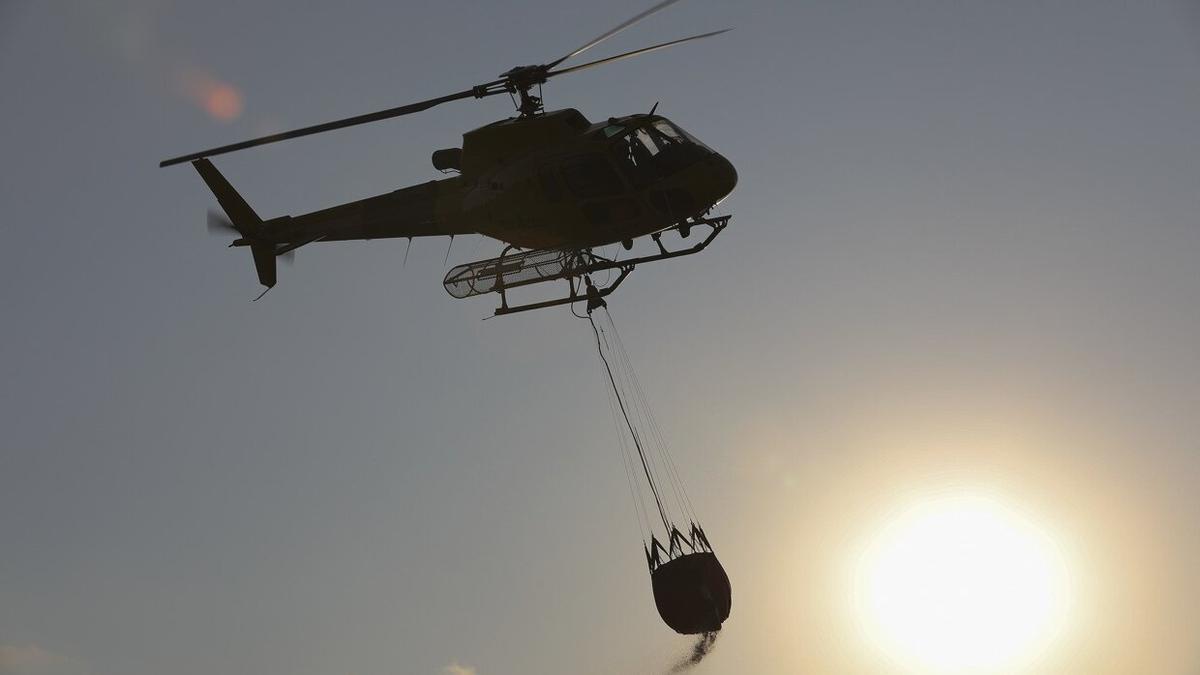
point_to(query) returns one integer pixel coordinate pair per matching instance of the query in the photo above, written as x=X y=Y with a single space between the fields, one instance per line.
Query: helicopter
x=551 y=185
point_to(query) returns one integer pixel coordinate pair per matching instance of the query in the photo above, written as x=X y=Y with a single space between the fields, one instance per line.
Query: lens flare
x=221 y=100
x=962 y=583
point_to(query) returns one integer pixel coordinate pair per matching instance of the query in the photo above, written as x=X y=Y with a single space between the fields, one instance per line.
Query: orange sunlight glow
x=221 y=100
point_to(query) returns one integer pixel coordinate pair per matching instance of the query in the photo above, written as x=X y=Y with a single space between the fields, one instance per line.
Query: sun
x=961 y=583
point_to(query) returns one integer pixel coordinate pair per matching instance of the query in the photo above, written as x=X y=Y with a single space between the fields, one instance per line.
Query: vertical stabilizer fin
x=264 y=262
x=243 y=217
x=244 y=220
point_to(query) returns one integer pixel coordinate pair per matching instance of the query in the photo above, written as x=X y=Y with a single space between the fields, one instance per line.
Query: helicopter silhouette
x=552 y=185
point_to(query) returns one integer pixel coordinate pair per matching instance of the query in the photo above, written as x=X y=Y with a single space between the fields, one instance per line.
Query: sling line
x=636 y=440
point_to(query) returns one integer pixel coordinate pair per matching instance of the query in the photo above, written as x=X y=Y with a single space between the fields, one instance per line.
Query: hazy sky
x=965 y=255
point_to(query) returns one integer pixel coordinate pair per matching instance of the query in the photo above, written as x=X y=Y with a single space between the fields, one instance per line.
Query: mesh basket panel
x=519 y=269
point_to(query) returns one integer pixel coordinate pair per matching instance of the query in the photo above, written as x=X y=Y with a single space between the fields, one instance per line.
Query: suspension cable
x=635 y=495
x=636 y=440
x=677 y=483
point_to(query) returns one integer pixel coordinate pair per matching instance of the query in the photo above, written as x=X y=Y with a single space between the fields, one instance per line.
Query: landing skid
x=499 y=275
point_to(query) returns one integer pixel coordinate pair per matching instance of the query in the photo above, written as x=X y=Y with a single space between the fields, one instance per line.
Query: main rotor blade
x=338 y=124
x=604 y=36
x=636 y=52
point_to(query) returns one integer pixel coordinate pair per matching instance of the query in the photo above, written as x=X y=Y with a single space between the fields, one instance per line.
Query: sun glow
x=961 y=583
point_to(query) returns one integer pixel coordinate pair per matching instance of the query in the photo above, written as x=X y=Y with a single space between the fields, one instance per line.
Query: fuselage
x=554 y=180
x=558 y=181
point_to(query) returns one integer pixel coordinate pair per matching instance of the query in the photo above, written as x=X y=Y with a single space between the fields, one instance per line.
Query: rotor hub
x=520 y=80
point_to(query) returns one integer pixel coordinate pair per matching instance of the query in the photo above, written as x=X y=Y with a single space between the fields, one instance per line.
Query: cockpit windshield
x=656 y=149
x=653 y=139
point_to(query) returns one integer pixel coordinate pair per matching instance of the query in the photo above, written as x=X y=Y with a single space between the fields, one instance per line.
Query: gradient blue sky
x=965 y=252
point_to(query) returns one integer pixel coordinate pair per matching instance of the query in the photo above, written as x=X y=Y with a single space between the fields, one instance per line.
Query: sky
x=964 y=257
